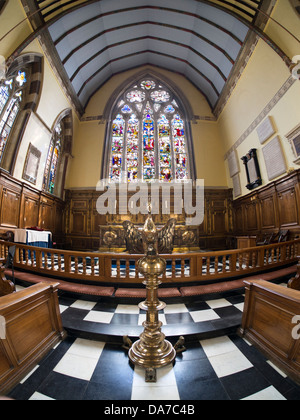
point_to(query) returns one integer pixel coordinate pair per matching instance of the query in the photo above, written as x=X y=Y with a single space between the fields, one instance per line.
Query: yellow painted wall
x=284 y=14
x=261 y=81
x=13 y=16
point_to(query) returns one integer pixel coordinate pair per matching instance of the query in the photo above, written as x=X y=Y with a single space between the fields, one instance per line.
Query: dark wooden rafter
x=240 y=7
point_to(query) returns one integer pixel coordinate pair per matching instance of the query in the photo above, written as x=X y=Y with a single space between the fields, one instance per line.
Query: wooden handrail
x=181 y=267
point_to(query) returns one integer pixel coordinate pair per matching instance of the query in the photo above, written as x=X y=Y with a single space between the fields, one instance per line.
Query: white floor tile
x=155 y=393
x=100 y=317
x=218 y=303
x=217 y=346
x=178 y=308
x=206 y=315
x=268 y=394
x=164 y=389
x=87 y=348
x=81 y=359
x=63 y=308
x=240 y=306
x=82 y=304
x=224 y=356
x=40 y=397
x=76 y=366
x=128 y=309
x=229 y=363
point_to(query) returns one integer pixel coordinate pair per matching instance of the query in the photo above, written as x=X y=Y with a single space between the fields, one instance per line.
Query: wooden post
x=294 y=283
x=6 y=286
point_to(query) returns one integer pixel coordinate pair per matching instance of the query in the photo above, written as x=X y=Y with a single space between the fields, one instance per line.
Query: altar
x=112 y=238
x=41 y=239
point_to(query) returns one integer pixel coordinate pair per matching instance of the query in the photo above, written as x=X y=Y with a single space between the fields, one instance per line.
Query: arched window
x=53 y=159
x=60 y=149
x=148 y=136
x=11 y=93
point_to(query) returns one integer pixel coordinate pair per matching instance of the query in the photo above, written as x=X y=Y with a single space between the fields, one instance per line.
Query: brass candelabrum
x=152 y=351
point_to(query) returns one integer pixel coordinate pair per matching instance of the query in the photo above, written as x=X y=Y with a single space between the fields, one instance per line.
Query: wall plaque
x=265 y=130
x=274 y=159
x=252 y=170
x=294 y=139
x=32 y=164
x=237 y=190
x=233 y=164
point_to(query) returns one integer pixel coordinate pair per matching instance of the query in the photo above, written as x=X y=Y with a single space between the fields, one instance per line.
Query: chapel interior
x=102 y=97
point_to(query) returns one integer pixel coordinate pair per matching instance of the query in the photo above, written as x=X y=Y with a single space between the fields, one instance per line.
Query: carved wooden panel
x=268 y=213
x=251 y=217
x=239 y=219
x=83 y=220
x=288 y=208
x=218 y=218
x=31 y=213
x=79 y=224
x=10 y=208
x=23 y=206
x=270 y=209
x=46 y=216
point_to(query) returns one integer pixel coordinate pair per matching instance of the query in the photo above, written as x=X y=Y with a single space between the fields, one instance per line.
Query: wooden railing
x=123 y=268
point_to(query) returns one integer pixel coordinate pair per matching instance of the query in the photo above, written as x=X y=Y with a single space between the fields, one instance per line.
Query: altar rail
x=123 y=268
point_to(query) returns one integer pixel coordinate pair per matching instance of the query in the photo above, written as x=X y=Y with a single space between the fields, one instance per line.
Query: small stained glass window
x=53 y=159
x=11 y=94
x=148 y=84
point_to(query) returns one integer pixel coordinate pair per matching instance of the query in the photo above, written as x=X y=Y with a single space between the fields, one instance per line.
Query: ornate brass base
x=152 y=350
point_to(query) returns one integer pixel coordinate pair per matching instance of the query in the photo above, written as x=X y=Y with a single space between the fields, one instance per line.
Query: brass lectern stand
x=152 y=351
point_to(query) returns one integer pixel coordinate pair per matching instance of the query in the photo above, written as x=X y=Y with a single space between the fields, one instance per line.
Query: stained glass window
x=148 y=136
x=11 y=93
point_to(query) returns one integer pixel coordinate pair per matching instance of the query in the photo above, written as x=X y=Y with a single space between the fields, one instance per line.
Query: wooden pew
x=32 y=327
x=271 y=321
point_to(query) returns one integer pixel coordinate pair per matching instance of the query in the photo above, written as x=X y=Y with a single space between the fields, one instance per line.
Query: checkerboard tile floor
x=224 y=368
x=178 y=313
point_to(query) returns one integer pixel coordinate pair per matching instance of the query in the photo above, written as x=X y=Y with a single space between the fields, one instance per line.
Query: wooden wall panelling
x=83 y=221
x=252 y=222
x=288 y=203
x=10 y=203
x=270 y=209
x=23 y=206
x=30 y=205
x=46 y=214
